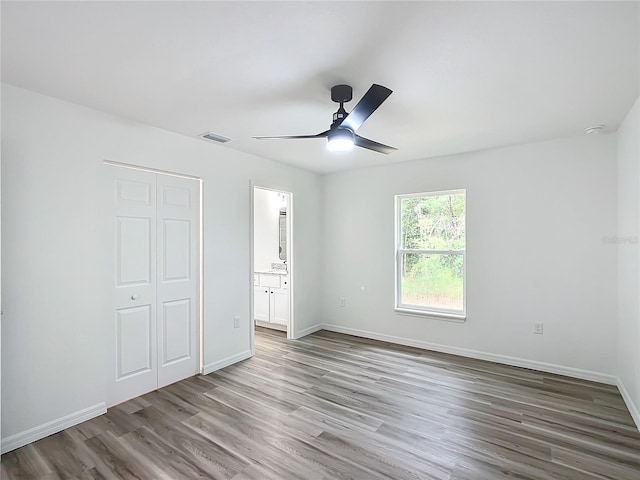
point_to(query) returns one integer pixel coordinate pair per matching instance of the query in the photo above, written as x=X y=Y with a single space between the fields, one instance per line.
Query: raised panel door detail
x=136 y=192
x=176 y=197
x=177 y=249
x=176 y=330
x=133 y=341
x=133 y=251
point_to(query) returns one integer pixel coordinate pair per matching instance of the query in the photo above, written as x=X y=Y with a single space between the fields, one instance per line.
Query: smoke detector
x=214 y=137
x=594 y=130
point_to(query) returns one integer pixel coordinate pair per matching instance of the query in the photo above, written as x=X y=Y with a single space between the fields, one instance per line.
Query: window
x=430 y=254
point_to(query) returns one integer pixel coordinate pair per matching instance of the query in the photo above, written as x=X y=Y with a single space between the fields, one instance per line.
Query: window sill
x=449 y=317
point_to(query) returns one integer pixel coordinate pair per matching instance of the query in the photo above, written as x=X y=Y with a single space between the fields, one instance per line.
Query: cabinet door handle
x=266 y=291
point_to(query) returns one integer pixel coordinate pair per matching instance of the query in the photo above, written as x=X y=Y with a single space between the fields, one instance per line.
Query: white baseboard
x=54 y=426
x=225 y=362
x=491 y=357
x=633 y=409
x=308 y=331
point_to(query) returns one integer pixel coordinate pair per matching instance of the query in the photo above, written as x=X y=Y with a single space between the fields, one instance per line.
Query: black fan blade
x=371 y=145
x=366 y=106
x=289 y=137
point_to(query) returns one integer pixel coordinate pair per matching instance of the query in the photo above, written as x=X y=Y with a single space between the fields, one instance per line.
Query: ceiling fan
x=342 y=132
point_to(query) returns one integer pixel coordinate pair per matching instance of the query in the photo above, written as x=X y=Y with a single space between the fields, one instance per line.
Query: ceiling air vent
x=214 y=137
x=594 y=130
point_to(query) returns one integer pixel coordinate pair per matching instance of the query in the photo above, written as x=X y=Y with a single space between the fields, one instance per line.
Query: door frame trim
x=131 y=166
x=200 y=286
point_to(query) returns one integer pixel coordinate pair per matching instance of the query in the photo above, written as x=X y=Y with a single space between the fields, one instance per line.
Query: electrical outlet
x=537 y=328
x=343 y=302
x=236 y=322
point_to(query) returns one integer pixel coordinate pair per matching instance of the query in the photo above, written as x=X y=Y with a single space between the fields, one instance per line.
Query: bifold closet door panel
x=133 y=345
x=178 y=207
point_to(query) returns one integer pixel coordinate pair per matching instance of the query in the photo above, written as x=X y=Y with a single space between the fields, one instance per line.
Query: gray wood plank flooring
x=331 y=406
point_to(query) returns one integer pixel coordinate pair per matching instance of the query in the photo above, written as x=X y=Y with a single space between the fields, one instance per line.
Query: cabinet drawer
x=284 y=282
x=269 y=280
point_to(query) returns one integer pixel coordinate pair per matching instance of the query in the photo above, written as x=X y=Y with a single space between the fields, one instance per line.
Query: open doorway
x=272 y=260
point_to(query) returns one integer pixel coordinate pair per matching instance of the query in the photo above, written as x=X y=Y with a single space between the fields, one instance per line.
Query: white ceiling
x=465 y=75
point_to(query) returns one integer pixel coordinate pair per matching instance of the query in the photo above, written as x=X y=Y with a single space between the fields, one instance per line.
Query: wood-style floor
x=332 y=406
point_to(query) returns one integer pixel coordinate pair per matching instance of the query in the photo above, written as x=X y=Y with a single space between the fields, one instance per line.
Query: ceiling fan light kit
x=341 y=135
x=340 y=140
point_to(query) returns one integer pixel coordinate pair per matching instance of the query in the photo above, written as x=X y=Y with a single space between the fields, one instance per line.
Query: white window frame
x=441 y=313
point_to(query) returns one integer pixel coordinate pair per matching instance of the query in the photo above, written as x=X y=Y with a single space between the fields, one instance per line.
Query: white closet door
x=155 y=275
x=133 y=351
x=177 y=283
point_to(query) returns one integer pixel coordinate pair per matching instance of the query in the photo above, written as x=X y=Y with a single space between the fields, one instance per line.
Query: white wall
x=628 y=248
x=536 y=217
x=266 y=229
x=55 y=289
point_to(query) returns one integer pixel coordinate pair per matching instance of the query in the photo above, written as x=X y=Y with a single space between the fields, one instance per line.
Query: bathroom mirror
x=282 y=227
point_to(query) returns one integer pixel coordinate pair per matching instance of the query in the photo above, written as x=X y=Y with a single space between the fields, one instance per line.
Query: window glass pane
x=432 y=280
x=432 y=222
